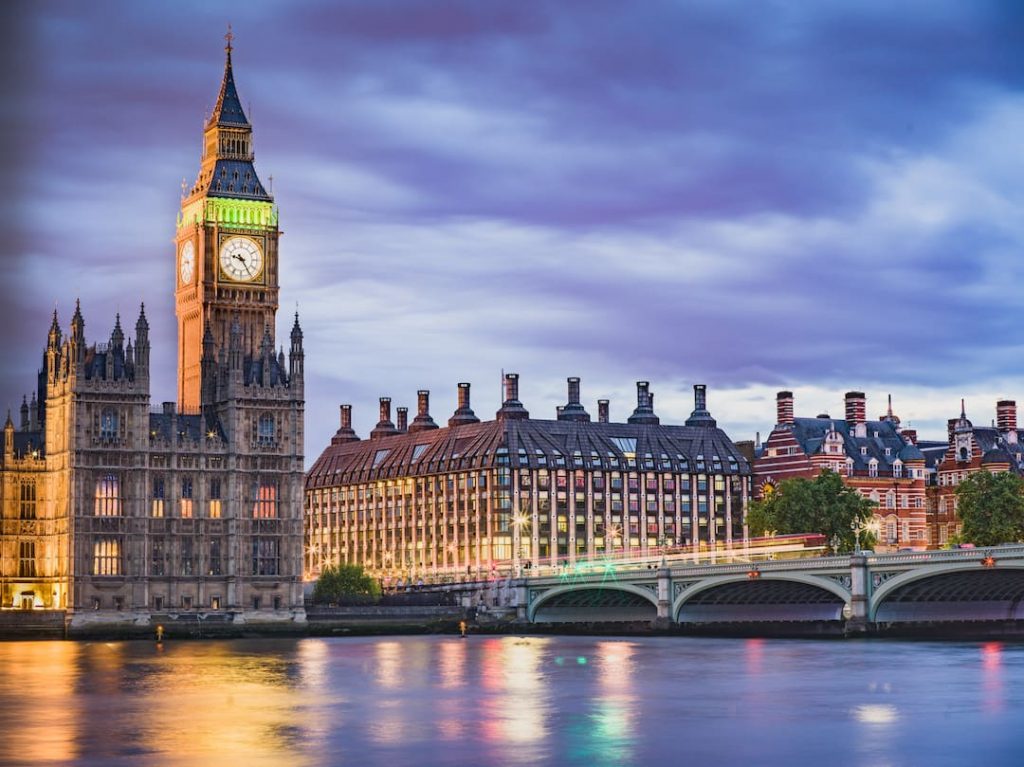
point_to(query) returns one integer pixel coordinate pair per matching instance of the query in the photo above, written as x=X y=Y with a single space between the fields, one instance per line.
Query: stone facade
x=109 y=508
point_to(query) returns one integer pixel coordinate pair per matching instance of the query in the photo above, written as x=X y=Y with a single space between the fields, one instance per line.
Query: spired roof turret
x=228 y=111
x=227 y=168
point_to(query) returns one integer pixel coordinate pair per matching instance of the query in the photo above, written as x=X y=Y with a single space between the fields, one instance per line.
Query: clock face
x=241 y=259
x=187 y=263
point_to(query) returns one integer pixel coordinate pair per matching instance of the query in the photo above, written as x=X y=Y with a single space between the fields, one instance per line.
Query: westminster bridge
x=861 y=592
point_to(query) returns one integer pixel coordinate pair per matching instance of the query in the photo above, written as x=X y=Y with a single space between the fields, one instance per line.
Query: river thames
x=443 y=700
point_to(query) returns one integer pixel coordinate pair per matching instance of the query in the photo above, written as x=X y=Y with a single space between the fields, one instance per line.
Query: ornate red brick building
x=970 y=449
x=878 y=458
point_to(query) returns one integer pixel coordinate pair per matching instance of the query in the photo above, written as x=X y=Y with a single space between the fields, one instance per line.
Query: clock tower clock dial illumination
x=241 y=259
x=187 y=263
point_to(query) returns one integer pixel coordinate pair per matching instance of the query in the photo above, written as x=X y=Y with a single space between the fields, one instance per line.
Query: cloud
x=817 y=198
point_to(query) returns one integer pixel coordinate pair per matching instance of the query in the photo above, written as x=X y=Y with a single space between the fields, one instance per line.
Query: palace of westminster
x=111 y=509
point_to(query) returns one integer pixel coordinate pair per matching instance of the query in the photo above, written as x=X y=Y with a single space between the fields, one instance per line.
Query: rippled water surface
x=512 y=700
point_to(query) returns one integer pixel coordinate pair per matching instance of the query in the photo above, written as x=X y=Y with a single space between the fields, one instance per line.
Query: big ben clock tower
x=226 y=246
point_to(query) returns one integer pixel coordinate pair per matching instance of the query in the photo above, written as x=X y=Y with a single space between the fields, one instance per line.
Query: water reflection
x=513 y=700
x=42 y=728
x=992 y=674
x=514 y=714
x=616 y=705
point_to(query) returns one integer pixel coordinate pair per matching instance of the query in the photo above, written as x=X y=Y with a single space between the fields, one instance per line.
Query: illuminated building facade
x=110 y=508
x=878 y=458
x=416 y=500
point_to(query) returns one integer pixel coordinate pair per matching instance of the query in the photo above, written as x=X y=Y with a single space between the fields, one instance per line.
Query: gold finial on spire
x=229 y=37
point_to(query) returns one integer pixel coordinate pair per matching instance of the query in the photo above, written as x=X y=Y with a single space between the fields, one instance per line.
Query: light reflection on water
x=511 y=700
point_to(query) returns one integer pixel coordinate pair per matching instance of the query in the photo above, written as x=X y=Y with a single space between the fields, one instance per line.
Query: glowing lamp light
x=988 y=561
x=753 y=574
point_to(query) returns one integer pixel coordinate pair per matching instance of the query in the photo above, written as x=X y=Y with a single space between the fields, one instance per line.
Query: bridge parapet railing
x=818 y=564
x=1015 y=551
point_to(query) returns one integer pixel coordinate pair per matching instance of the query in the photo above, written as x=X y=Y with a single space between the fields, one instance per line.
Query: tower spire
x=228 y=110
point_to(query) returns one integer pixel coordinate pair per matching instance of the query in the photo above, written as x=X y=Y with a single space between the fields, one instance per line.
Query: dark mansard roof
x=531 y=443
x=811 y=434
x=996 y=449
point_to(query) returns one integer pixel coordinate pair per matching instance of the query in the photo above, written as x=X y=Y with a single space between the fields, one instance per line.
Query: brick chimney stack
x=464 y=413
x=784 y=408
x=856 y=408
x=573 y=410
x=422 y=421
x=345 y=432
x=602 y=411
x=1006 y=419
x=1006 y=415
x=512 y=408
x=403 y=419
x=384 y=427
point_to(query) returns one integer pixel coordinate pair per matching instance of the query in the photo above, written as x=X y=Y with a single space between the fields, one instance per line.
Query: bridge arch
x=783 y=596
x=594 y=602
x=943 y=591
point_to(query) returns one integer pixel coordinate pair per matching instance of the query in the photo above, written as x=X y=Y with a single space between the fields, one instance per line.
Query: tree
x=991 y=508
x=822 y=505
x=346 y=584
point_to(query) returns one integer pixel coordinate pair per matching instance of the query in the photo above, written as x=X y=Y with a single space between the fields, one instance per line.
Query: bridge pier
x=860 y=596
x=664 y=619
x=521 y=600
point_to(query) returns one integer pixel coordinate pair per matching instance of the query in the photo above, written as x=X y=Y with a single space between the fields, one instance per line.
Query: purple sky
x=753 y=196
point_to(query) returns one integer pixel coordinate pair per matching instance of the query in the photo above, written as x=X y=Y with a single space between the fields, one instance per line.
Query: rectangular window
x=28 y=499
x=186 y=498
x=106 y=556
x=108 y=425
x=265 y=504
x=156 y=565
x=158 y=491
x=107 y=498
x=265 y=556
x=215 y=566
x=265 y=430
x=27 y=559
x=187 y=560
x=215 y=498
